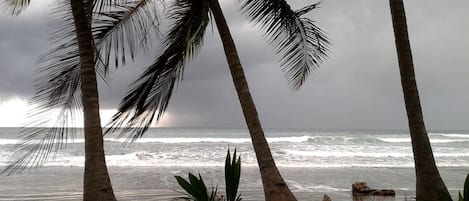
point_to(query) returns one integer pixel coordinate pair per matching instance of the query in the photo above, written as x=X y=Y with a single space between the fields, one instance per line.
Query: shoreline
x=155 y=183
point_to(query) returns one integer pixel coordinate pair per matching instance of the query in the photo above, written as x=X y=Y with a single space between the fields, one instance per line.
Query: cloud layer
x=358 y=87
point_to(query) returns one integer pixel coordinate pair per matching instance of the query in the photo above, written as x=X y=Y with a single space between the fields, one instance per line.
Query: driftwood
x=362 y=189
x=326 y=198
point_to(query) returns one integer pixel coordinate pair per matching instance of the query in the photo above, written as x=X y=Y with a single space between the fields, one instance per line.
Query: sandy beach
x=147 y=184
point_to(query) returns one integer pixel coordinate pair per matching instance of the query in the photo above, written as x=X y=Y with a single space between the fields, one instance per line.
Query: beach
x=312 y=162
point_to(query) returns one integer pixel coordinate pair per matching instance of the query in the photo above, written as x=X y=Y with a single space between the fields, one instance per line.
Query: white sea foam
x=401 y=140
x=148 y=159
x=171 y=140
x=195 y=140
x=317 y=188
x=18 y=141
x=9 y=141
x=181 y=140
x=289 y=139
x=299 y=150
x=453 y=135
x=346 y=153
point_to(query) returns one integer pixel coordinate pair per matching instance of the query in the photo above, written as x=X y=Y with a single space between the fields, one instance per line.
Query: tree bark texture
x=428 y=181
x=97 y=185
x=275 y=188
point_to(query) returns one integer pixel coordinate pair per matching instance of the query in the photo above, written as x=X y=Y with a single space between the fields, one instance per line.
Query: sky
x=358 y=87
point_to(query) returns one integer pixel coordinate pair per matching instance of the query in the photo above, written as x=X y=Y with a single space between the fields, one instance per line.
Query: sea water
x=313 y=162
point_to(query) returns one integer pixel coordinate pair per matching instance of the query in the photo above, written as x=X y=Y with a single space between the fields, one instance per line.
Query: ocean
x=312 y=162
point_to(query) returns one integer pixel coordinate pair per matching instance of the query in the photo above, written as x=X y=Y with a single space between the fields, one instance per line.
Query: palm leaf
x=185 y=185
x=198 y=183
x=301 y=45
x=149 y=95
x=213 y=195
x=124 y=29
x=57 y=90
x=195 y=188
x=232 y=176
x=59 y=83
x=15 y=7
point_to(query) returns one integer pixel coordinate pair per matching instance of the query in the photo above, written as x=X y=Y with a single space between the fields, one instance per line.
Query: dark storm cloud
x=358 y=87
x=21 y=40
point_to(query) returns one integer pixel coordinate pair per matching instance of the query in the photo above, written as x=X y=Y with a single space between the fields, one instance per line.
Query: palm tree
x=301 y=45
x=97 y=185
x=82 y=49
x=429 y=186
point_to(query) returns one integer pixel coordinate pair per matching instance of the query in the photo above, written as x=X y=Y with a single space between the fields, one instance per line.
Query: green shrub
x=196 y=190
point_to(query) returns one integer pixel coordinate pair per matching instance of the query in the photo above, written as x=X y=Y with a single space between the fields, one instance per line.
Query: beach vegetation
x=196 y=190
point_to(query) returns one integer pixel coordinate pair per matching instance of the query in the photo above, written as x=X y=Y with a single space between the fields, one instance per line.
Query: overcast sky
x=358 y=87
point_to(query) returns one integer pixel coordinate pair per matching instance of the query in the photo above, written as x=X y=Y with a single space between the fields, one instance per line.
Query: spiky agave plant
x=196 y=189
x=232 y=176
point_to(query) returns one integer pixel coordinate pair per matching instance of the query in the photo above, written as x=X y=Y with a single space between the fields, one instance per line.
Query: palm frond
x=58 y=89
x=58 y=86
x=15 y=7
x=150 y=93
x=124 y=29
x=106 y=5
x=232 y=176
x=195 y=188
x=301 y=45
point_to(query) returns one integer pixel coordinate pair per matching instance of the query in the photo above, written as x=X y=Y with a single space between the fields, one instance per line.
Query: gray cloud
x=358 y=87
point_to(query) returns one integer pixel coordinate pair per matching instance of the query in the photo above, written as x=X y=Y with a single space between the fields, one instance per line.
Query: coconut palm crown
x=119 y=28
x=84 y=36
x=301 y=45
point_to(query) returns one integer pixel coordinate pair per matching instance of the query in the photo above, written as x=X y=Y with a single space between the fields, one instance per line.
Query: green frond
x=57 y=89
x=59 y=83
x=107 y=5
x=195 y=188
x=150 y=93
x=232 y=176
x=124 y=29
x=301 y=45
x=102 y=5
x=15 y=7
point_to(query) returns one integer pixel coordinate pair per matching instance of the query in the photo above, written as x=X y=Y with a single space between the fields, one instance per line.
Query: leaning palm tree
x=83 y=41
x=429 y=185
x=97 y=185
x=301 y=45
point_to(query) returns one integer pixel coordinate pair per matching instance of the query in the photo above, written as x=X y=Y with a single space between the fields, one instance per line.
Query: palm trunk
x=429 y=184
x=275 y=188
x=97 y=185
